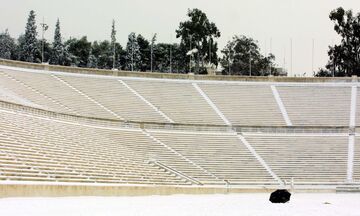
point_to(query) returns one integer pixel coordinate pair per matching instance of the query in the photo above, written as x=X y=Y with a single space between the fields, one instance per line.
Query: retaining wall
x=172 y=75
x=44 y=190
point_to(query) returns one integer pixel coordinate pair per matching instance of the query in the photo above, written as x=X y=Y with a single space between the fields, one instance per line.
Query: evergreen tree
x=92 y=61
x=79 y=51
x=145 y=53
x=29 y=49
x=113 y=43
x=133 y=55
x=120 y=57
x=103 y=52
x=7 y=46
x=20 y=41
x=152 y=46
x=58 y=53
x=73 y=60
x=178 y=59
x=161 y=57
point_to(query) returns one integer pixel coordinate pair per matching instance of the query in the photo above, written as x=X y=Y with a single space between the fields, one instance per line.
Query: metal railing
x=174 y=171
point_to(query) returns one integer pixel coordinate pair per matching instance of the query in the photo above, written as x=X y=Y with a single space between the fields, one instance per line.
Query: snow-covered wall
x=171 y=76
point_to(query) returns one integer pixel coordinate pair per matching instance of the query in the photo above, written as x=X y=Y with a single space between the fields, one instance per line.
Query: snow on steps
x=348 y=189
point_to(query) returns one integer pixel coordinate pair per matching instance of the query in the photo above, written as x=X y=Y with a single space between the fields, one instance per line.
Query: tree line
x=196 y=51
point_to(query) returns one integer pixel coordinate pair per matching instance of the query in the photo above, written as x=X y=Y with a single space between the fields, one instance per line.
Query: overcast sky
x=271 y=22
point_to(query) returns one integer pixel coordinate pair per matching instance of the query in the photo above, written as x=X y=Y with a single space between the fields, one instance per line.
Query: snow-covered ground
x=194 y=205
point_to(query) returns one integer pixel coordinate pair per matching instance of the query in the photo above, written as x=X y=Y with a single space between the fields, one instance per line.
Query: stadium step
x=348 y=189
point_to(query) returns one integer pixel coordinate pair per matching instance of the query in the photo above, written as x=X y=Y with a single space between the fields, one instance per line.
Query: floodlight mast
x=152 y=52
x=170 y=53
x=132 y=56
x=291 y=56
x=270 y=53
x=312 y=55
x=44 y=27
x=229 y=59
x=284 y=60
x=229 y=63
x=250 y=62
x=170 y=59
x=210 y=43
x=114 y=41
x=231 y=47
x=113 y=57
x=151 y=57
x=190 y=54
x=334 y=60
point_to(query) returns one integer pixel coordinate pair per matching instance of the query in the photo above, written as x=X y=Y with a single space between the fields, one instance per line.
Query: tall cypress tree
x=29 y=49
x=113 y=42
x=133 y=55
x=57 y=55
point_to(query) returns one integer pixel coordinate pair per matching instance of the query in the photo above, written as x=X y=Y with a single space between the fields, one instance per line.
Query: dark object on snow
x=280 y=196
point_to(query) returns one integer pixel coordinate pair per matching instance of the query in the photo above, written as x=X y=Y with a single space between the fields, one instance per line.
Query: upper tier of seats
x=182 y=101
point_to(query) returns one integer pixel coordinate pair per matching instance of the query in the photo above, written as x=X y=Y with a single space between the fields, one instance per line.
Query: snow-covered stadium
x=77 y=132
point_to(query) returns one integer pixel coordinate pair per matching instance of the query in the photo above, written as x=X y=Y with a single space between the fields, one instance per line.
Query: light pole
x=190 y=55
x=132 y=56
x=113 y=41
x=170 y=53
x=291 y=57
x=229 y=63
x=210 y=43
x=270 y=53
x=44 y=28
x=151 y=57
x=229 y=58
x=334 y=61
x=334 y=66
x=250 y=62
x=312 y=55
x=170 y=58
x=231 y=47
x=152 y=51
x=113 y=67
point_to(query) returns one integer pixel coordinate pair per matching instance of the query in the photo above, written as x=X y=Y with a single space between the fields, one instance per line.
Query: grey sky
x=264 y=20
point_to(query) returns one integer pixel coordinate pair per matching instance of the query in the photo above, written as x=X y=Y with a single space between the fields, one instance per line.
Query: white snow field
x=316 y=204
